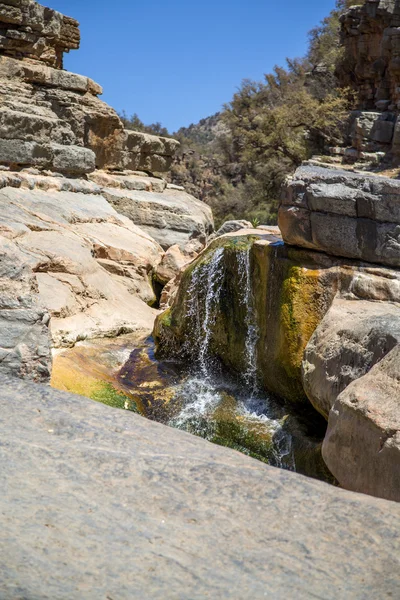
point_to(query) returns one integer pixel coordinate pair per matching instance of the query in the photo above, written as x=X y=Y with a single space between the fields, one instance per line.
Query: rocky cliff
x=370 y=66
x=84 y=206
x=51 y=118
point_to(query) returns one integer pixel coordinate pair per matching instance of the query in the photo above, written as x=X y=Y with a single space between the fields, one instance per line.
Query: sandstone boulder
x=362 y=444
x=172 y=263
x=54 y=119
x=231 y=227
x=93 y=266
x=353 y=336
x=172 y=217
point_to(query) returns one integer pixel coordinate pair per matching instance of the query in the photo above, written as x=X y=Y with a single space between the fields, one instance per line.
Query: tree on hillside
x=135 y=124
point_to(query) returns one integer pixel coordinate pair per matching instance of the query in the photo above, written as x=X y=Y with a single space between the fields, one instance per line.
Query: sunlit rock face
x=349 y=370
x=32 y=31
x=53 y=119
x=343 y=214
x=362 y=445
x=65 y=158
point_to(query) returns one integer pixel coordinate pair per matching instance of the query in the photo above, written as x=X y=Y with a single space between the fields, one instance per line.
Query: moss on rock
x=292 y=290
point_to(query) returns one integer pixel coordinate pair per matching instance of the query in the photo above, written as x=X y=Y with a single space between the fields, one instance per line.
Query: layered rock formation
x=371 y=67
x=344 y=214
x=53 y=119
x=105 y=503
x=350 y=366
x=83 y=205
x=32 y=31
x=371 y=39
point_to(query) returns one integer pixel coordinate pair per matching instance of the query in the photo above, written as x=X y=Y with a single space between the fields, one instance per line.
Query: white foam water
x=252 y=333
x=202 y=308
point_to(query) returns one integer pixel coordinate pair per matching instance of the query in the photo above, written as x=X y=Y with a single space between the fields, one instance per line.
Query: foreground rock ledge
x=100 y=503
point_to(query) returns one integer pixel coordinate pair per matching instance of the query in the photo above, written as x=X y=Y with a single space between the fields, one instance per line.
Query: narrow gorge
x=133 y=333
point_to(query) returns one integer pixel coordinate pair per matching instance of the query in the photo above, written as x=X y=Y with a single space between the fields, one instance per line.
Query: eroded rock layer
x=343 y=214
x=93 y=267
x=30 y=30
x=53 y=119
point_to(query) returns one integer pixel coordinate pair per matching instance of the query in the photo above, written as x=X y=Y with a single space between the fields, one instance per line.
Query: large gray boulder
x=353 y=336
x=362 y=444
x=344 y=214
x=351 y=376
x=101 y=503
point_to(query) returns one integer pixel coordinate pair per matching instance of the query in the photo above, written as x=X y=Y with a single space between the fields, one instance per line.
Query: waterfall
x=202 y=394
x=206 y=279
x=252 y=334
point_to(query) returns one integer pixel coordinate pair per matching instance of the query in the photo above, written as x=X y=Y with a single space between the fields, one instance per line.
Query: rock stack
x=370 y=35
x=53 y=119
x=351 y=364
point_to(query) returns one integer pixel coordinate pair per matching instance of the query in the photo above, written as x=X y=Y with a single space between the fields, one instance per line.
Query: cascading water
x=252 y=334
x=205 y=392
x=202 y=309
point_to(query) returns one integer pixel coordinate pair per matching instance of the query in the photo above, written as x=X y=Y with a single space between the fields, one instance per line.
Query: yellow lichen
x=300 y=314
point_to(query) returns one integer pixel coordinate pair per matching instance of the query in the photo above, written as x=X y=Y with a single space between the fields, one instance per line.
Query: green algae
x=107 y=394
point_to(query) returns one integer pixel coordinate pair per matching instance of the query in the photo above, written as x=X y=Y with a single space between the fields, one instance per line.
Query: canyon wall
x=370 y=66
x=86 y=215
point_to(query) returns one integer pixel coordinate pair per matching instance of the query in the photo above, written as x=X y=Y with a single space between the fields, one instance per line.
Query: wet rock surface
x=125 y=373
x=292 y=288
x=114 y=505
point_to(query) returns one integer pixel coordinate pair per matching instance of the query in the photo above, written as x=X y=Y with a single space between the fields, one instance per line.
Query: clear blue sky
x=177 y=61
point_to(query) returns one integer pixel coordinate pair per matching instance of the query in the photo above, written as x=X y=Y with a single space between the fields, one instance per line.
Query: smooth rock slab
x=172 y=217
x=98 y=503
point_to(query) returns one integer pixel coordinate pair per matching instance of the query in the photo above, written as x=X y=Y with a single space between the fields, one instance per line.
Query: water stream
x=212 y=404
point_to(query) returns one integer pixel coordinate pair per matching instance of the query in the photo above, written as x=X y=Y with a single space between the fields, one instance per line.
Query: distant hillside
x=203 y=134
